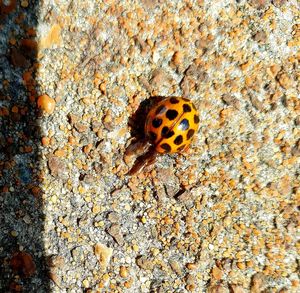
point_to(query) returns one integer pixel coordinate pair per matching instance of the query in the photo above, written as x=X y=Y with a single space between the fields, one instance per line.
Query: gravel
x=221 y=217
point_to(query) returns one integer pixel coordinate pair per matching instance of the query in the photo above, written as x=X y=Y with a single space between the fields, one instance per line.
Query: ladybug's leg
x=137 y=147
x=142 y=161
x=151 y=158
x=186 y=148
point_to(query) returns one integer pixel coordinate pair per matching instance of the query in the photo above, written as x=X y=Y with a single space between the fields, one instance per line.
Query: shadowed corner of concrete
x=23 y=265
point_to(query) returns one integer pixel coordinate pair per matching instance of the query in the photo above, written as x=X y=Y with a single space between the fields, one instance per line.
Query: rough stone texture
x=221 y=217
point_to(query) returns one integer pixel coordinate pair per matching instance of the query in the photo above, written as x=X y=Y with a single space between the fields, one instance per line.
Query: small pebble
x=46 y=103
x=123 y=272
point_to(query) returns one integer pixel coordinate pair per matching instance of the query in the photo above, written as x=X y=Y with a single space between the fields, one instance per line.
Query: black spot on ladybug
x=152 y=136
x=187 y=108
x=178 y=140
x=181 y=148
x=190 y=133
x=184 y=124
x=166 y=147
x=174 y=101
x=160 y=110
x=156 y=122
x=171 y=114
x=196 y=119
x=165 y=132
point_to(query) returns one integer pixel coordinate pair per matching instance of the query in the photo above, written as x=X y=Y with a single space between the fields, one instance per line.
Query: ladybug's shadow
x=140 y=145
x=137 y=120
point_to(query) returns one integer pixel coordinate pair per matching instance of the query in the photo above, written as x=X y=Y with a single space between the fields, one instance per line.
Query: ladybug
x=169 y=128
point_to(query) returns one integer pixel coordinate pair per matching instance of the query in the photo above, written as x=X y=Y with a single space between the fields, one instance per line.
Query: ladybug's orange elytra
x=171 y=124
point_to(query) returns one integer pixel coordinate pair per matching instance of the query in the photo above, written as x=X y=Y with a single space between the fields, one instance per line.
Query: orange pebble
x=5 y=189
x=36 y=191
x=29 y=44
x=60 y=153
x=71 y=140
x=45 y=141
x=28 y=149
x=87 y=148
x=31 y=32
x=46 y=103
x=4 y=111
x=24 y=263
x=27 y=76
x=15 y=109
